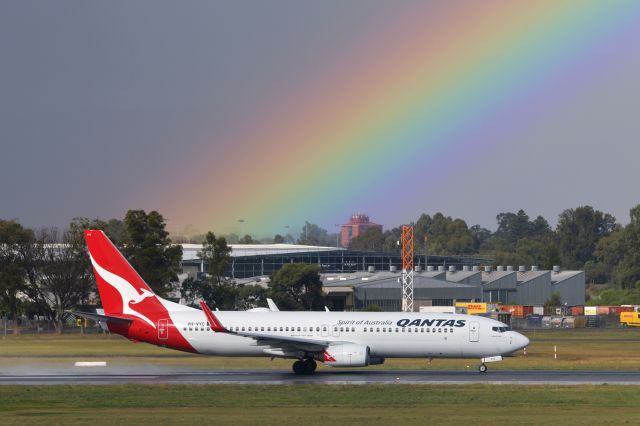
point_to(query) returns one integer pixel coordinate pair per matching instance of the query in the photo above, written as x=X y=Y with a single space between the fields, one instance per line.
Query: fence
x=28 y=326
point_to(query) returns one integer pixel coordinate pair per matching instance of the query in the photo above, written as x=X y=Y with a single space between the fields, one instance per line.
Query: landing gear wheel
x=309 y=366
x=299 y=367
x=482 y=368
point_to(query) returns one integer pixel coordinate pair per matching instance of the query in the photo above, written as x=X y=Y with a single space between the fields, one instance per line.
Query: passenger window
x=341 y=329
x=397 y=330
x=298 y=328
x=317 y=328
x=439 y=330
x=249 y=329
x=184 y=328
x=365 y=329
x=445 y=330
x=281 y=329
x=433 y=330
x=377 y=330
x=384 y=330
x=422 y=330
x=304 y=329
x=451 y=330
x=427 y=330
x=409 y=330
x=208 y=329
x=242 y=328
x=353 y=329
x=324 y=328
x=287 y=328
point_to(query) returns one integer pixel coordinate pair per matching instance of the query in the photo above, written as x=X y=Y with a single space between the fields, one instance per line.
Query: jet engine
x=347 y=355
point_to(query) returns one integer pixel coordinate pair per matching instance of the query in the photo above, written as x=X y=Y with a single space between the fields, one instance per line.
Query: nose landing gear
x=483 y=367
x=306 y=366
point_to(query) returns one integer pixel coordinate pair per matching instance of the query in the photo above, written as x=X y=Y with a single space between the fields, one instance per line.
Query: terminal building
x=353 y=280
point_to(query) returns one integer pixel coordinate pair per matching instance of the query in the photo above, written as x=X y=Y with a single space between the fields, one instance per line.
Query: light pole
x=338 y=234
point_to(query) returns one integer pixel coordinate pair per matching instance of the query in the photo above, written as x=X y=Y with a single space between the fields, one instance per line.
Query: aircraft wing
x=275 y=341
x=102 y=318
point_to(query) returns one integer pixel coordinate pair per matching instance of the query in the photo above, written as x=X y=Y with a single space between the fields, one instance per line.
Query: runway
x=335 y=377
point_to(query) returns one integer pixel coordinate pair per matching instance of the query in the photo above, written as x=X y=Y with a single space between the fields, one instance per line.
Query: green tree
x=148 y=248
x=113 y=228
x=314 y=235
x=278 y=239
x=215 y=288
x=372 y=307
x=297 y=287
x=372 y=239
x=445 y=235
x=216 y=254
x=578 y=233
x=13 y=237
x=251 y=296
x=626 y=272
x=553 y=301
x=64 y=275
x=248 y=239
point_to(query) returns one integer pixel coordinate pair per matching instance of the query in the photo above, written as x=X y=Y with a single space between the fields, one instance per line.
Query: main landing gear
x=482 y=368
x=306 y=366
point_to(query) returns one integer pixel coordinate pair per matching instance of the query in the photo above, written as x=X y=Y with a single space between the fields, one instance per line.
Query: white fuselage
x=386 y=334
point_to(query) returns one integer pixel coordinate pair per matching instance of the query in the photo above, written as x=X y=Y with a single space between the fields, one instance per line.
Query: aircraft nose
x=522 y=341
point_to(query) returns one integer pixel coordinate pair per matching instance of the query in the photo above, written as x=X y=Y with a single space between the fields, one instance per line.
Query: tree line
x=46 y=272
x=584 y=239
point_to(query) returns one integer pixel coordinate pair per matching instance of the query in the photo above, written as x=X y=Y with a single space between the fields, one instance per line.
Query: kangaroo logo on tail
x=127 y=291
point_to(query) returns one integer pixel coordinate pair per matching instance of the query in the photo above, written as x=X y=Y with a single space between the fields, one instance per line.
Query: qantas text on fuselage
x=338 y=339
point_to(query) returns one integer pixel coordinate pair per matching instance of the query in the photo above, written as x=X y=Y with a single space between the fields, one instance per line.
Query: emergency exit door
x=163 y=329
x=474 y=331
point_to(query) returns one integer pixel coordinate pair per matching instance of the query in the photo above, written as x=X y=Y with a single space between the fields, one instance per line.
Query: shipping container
x=630 y=319
x=527 y=310
x=617 y=310
x=577 y=310
x=602 y=310
x=538 y=310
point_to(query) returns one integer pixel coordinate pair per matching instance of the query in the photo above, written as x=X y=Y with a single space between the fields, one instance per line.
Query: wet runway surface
x=104 y=376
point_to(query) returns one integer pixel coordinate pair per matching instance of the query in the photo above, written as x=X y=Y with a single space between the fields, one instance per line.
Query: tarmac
x=107 y=376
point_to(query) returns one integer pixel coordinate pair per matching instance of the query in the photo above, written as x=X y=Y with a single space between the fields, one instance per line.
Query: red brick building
x=357 y=225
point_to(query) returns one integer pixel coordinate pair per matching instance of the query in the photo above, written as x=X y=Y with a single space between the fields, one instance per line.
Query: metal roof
x=190 y=251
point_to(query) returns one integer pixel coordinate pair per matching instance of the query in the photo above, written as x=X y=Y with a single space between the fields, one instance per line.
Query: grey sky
x=101 y=100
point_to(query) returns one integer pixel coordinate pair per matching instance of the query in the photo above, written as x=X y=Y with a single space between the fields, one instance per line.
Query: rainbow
x=407 y=103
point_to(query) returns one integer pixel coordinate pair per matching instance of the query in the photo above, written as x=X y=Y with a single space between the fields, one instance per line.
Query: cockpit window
x=500 y=329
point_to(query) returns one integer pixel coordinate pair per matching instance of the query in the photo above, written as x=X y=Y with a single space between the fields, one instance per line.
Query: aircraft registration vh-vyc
x=337 y=339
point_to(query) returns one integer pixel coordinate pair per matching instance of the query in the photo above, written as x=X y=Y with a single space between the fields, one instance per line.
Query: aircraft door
x=474 y=331
x=325 y=330
x=163 y=329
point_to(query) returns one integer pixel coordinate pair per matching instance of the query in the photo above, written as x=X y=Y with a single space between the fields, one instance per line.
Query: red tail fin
x=118 y=283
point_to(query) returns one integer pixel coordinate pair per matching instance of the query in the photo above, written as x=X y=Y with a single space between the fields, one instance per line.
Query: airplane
x=336 y=339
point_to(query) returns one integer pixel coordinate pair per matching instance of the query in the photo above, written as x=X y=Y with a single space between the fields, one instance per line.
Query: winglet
x=213 y=321
x=272 y=305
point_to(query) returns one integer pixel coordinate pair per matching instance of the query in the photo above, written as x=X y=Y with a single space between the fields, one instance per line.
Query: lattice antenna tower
x=407 y=268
